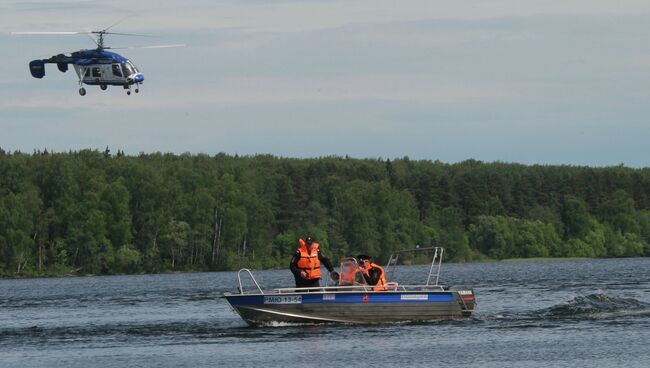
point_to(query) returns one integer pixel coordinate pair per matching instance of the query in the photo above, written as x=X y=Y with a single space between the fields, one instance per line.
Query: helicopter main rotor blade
x=162 y=46
x=77 y=32
x=47 y=33
x=147 y=47
x=121 y=34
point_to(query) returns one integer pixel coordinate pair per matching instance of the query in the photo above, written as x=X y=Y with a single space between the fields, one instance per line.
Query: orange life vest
x=309 y=261
x=381 y=283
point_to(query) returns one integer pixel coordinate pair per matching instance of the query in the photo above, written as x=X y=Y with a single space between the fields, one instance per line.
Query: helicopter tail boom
x=37 y=67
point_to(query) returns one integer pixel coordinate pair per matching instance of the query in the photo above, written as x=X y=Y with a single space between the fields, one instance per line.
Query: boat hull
x=351 y=307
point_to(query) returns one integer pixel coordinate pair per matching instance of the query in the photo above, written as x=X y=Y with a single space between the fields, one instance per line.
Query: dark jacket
x=374 y=274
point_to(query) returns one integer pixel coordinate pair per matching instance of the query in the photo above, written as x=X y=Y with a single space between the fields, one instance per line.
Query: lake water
x=565 y=313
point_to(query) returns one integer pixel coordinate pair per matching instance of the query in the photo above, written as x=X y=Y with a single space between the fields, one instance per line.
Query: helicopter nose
x=139 y=78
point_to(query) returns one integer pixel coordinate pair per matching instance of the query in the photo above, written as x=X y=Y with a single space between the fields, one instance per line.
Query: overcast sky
x=535 y=82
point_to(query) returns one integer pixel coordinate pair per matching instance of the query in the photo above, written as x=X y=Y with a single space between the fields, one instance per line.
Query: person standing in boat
x=306 y=262
x=372 y=273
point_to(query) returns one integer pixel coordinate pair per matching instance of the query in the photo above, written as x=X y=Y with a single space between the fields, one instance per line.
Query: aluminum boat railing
x=241 y=288
x=434 y=272
x=359 y=288
x=392 y=286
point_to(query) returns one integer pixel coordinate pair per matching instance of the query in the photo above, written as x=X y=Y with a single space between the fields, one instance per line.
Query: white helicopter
x=95 y=67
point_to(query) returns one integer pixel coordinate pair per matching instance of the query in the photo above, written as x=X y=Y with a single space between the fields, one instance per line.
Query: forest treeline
x=93 y=212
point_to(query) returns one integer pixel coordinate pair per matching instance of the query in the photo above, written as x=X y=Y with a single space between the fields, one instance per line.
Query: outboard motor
x=63 y=67
x=37 y=68
x=466 y=298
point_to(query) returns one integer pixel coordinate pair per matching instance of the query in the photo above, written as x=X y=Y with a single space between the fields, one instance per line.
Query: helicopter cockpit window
x=135 y=68
x=97 y=73
x=127 y=69
x=116 y=70
x=87 y=73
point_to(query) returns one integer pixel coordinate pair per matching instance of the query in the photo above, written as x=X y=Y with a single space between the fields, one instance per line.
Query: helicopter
x=95 y=67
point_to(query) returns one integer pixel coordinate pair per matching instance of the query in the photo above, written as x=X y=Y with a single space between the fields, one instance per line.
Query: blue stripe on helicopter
x=85 y=55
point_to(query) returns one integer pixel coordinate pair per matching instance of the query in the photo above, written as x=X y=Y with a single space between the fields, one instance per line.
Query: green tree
x=127 y=259
x=575 y=218
x=619 y=212
x=174 y=241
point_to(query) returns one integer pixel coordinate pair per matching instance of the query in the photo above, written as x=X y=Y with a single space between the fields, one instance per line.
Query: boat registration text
x=414 y=297
x=285 y=299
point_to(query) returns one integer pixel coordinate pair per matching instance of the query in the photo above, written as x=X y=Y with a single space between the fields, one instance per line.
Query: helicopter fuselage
x=94 y=67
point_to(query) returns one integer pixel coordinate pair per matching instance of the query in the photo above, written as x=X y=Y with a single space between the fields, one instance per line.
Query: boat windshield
x=349 y=275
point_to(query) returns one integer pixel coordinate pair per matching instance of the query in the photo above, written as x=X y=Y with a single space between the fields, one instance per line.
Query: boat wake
x=596 y=306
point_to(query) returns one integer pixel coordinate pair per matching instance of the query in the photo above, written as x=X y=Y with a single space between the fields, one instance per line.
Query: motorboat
x=355 y=302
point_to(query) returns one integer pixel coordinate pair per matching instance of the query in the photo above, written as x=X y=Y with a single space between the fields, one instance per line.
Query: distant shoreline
x=506 y=260
x=535 y=259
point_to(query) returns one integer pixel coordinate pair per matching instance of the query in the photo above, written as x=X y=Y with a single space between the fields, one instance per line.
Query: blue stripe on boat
x=320 y=298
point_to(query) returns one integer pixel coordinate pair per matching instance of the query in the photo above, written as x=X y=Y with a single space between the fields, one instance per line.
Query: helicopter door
x=93 y=74
x=97 y=73
x=117 y=71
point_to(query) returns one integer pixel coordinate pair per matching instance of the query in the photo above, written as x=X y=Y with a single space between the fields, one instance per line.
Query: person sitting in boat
x=306 y=262
x=372 y=273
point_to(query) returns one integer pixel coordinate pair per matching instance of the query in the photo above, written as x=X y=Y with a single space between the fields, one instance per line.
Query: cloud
x=289 y=16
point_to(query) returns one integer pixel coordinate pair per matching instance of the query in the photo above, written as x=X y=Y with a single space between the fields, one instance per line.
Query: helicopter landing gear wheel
x=82 y=91
x=137 y=90
x=128 y=92
x=103 y=87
